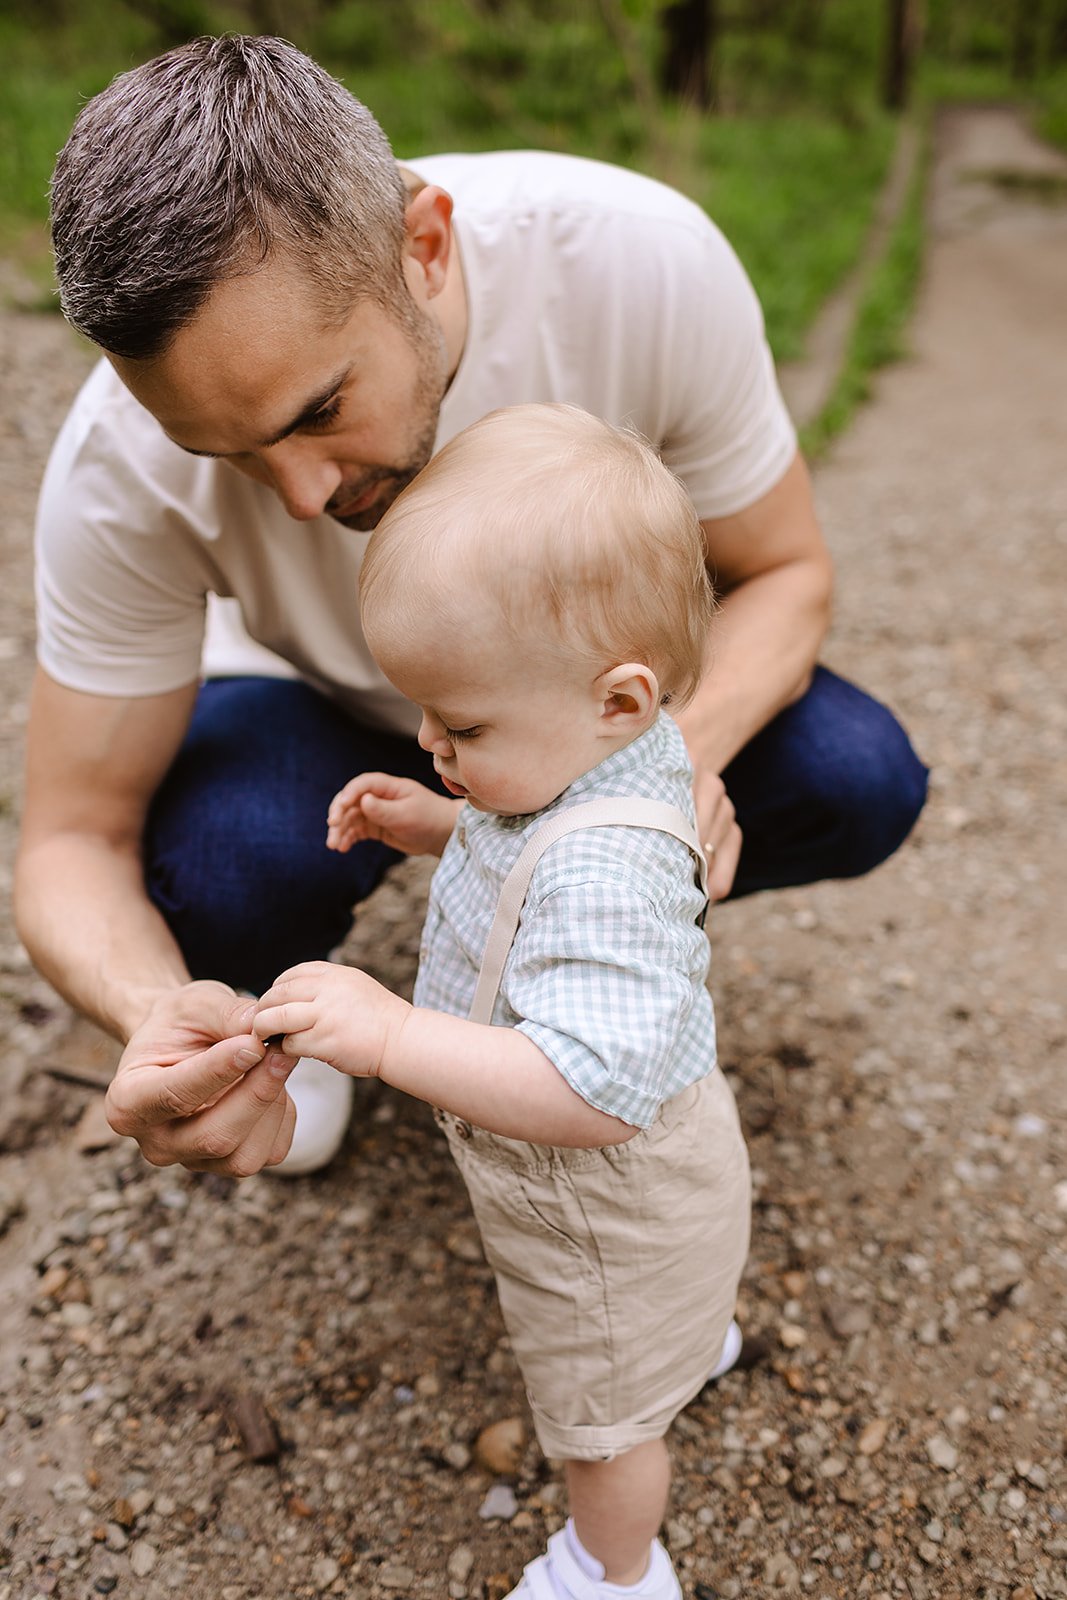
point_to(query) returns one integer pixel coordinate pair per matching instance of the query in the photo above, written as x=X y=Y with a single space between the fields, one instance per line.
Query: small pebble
x=500 y=1446
x=143 y=1557
x=942 y=1453
x=873 y=1436
x=324 y=1572
x=395 y=1576
x=500 y=1503
x=460 y=1563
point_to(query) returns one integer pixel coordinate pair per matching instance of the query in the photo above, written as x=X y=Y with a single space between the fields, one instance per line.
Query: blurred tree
x=175 y=21
x=902 y=38
x=690 y=28
x=1024 y=32
x=803 y=20
x=1057 y=33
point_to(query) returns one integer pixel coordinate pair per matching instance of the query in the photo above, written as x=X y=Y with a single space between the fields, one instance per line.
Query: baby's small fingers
x=278 y=1021
x=343 y=838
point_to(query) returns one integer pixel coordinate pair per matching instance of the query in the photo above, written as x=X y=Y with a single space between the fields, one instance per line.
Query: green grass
x=878 y=334
x=1050 y=119
x=795 y=196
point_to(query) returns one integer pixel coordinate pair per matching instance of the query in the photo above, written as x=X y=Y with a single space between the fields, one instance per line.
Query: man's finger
x=145 y=1094
x=284 y=1136
x=210 y=1140
x=273 y=1132
x=722 y=868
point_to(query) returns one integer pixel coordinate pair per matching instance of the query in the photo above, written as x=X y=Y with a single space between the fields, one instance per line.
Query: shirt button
x=463 y=1129
x=461 y=836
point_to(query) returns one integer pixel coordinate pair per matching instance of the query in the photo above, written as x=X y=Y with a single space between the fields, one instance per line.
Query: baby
x=539 y=592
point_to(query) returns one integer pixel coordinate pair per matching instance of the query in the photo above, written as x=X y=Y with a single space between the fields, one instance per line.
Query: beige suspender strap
x=604 y=813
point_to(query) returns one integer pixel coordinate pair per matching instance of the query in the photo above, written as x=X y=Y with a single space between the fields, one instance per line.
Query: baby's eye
x=456 y=734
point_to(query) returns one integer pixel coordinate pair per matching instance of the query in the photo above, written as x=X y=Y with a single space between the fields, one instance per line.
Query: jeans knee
x=878 y=802
x=242 y=909
x=828 y=790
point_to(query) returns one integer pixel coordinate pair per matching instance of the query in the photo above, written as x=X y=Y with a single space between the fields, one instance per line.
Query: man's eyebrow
x=305 y=415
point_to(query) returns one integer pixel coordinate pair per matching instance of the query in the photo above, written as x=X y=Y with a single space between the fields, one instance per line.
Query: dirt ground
x=896 y=1046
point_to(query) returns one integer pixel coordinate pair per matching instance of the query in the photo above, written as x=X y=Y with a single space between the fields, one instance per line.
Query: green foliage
x=879 y=333
x=794 y=195
x=1051 y=118
x=40 y=91
x=789 y=168
x=808 y=55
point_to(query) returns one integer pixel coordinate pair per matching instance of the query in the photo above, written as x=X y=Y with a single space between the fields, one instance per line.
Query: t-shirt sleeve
x=604 y=987
x=120 y=586
x=725 y=430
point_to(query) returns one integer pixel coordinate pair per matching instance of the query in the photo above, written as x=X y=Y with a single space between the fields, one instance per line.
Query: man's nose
x=303 y=482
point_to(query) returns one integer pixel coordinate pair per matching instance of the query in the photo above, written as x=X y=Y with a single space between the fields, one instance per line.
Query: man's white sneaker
x=323 y=1100
x=731 y=1349
x=558 y=1575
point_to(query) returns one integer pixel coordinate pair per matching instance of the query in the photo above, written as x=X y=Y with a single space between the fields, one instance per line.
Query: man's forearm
x=765 y=643
x=89 y=928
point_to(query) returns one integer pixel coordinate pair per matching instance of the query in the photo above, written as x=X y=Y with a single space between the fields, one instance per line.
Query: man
x=292 y=326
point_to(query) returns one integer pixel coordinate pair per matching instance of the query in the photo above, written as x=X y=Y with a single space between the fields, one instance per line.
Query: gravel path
x=896 y=1046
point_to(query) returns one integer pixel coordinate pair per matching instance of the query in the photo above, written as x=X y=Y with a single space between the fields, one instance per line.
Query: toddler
x=539 y=592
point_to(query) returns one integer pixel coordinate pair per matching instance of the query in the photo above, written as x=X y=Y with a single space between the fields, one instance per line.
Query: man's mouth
x=358 y=503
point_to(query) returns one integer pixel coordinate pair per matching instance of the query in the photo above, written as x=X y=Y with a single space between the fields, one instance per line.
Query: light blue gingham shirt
x=606 y=972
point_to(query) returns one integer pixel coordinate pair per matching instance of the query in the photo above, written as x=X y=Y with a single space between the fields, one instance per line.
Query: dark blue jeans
x=235 y=852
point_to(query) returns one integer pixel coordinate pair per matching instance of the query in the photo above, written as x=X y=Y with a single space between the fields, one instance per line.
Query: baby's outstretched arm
x=400 y=812
x=496 y=1078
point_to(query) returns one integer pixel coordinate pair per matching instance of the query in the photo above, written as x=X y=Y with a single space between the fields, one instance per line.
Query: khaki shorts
x=617 y=1268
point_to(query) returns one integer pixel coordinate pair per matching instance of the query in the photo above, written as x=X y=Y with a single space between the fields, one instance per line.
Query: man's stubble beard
x=430 y=386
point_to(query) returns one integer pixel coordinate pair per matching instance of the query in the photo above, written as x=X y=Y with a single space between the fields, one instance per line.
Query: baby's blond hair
x=574 y=530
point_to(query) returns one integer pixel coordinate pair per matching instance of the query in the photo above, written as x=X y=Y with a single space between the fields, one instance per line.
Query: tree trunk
x=899 y=54
x=805 y=19
x=689 y=28
x=1024 y=40
x=1057 y=38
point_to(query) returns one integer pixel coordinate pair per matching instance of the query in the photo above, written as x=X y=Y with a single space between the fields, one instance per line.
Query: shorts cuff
x=605 y=1441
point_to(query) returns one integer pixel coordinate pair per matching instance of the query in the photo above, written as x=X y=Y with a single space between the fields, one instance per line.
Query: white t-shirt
x=586 y=283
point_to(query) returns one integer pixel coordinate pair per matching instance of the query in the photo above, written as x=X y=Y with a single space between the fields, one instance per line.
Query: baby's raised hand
x=403 y=814
x=336 y=1014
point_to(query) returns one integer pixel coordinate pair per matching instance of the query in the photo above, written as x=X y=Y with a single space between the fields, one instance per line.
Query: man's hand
x=403 y=814
x=336 y=1014
x=719 y=832
x=196 y=1086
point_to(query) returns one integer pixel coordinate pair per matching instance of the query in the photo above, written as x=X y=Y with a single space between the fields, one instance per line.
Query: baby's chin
x=510 y=806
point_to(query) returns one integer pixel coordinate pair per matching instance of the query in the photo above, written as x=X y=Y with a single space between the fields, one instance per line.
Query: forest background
x=780 y=117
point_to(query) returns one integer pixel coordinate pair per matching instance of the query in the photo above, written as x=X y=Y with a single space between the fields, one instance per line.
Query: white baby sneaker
x=323 y=1100
x=558 y=1575
x=731 y=1349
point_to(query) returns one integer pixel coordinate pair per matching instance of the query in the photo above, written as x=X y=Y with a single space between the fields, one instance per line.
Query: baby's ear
x=629 y=699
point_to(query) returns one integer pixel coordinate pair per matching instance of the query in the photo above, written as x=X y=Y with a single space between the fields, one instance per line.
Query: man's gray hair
x=206 y=162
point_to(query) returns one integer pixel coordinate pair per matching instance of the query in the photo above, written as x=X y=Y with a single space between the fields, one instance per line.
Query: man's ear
x=428 y=242
x=629 y=699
